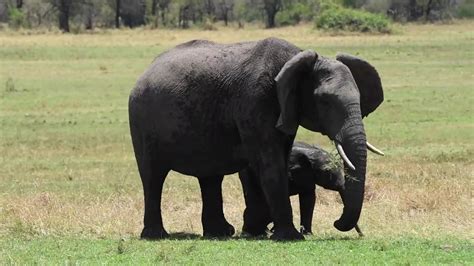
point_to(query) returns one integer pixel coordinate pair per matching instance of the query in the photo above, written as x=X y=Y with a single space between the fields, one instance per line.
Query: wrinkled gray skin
x=207 y=110
x=308 y=166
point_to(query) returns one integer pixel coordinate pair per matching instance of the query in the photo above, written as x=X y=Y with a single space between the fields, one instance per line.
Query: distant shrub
x=466 y=10
x=16 y=18
x=208 y=24
x=285 y=18
x=294 y=15
x=10 y=85
x=340 y=18
x=152 y=21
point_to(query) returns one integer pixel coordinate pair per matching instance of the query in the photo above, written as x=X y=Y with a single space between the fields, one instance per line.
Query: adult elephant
x=208 y=109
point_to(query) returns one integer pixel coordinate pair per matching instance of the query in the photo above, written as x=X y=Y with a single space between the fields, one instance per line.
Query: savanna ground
x=70 y=190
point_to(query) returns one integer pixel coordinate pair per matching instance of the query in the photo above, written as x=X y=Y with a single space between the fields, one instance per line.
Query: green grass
x=69 y=187
x=401 y=251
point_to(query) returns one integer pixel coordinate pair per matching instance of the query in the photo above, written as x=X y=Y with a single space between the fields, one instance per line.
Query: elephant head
x=332 y=96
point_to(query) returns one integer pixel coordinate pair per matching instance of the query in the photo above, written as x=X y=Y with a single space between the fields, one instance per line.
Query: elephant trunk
x=353 y=140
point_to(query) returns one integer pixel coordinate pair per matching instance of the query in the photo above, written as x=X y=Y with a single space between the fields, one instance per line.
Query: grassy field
x=70 y=191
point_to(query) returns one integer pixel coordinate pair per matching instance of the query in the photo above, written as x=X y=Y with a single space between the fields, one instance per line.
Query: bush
x=339 y=18
x=16 y=18
x=10 y=85
x=208 y=24
x=466 y=10
x=294 y=15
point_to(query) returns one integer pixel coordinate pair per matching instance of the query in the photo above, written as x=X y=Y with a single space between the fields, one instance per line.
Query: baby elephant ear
x=286 y=85
x=368 y=82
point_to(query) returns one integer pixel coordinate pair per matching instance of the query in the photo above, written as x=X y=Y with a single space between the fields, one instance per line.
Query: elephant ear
x=298 y=162
x=286 y=85
x=367 y=80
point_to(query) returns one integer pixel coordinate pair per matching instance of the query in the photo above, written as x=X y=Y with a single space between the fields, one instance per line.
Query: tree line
x=89 y=14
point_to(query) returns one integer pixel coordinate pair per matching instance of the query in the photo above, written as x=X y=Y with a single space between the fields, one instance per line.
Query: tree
x=349 y=3
x=154 y=5
x=209 y=7
x=248 y=11
x=65 y=8
x=271 y=8
x=413 y=10
x=428 y=9
x=117 y=13
x=132 y=12
x=183 y=16
x=90 y=9
x=164 y=9
x=225 y=6
x=3 y=11
x=64 y=11
x=187 y=10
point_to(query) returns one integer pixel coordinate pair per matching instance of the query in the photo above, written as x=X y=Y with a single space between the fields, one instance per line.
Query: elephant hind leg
x=213 y=221
x=153 y=174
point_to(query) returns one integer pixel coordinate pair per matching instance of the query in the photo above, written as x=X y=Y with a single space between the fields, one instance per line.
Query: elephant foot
x=286 y=234
x=305 y=231
x=219 y=230
x=246 y=235
x=255 y=230
x=154 y=233
x=256 y=222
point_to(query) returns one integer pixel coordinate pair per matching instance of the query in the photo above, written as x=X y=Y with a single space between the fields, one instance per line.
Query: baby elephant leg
x=307 y=202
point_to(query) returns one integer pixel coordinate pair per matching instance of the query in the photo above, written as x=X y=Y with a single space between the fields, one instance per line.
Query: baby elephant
x=309 y=166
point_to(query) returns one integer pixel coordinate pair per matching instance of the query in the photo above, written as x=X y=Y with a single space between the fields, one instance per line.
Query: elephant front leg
x=256 y=213
x=213 y=221
x=267 y=152
x=274 y=181
x=307 y=202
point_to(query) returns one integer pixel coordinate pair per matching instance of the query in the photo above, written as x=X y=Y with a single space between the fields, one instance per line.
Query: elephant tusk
x=343 y=155
x=372 y=148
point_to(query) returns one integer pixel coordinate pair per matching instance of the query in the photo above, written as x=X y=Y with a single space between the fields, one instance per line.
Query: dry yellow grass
x=397 y=205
